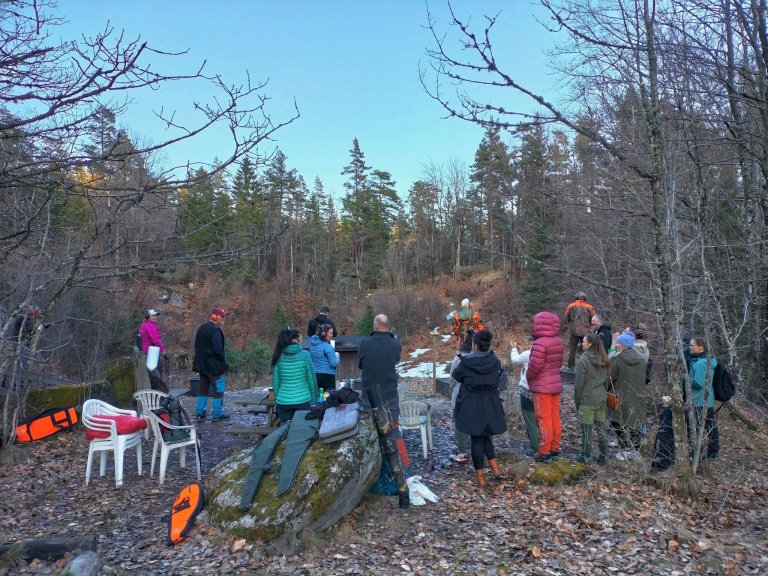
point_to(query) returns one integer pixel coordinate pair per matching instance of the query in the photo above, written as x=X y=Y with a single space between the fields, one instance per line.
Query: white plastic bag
x=418 y=493
x=153 y=355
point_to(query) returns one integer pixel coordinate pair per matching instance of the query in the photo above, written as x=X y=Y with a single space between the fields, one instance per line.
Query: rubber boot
x=202 y=404
x=480 y=478
x=602 y=444
x=586 y=443
x=495 y=468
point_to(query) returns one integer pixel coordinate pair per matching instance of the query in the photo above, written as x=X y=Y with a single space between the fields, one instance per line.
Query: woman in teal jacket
x=293 y=377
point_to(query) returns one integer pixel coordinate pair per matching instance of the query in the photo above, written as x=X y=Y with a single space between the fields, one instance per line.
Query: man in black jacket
x=211 y=363
x=319 y=320
x=603 y=331
x=377 y=357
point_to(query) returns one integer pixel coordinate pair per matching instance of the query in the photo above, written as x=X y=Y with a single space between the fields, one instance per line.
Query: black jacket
x=317 y=321
x=479 y=411
x=377 y=357
x=604 y=332
x=209 y=350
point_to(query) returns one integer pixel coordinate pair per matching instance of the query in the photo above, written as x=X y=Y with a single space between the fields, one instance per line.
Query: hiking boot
x=712 y=457
x=220 y=418
x=555 y=454
x=538 y=457
x=495 y=468
x=480 y=478
x=201 y=416
x=583 y=459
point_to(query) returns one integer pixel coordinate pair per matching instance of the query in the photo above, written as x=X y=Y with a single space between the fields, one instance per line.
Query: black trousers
x=574 y=343
x=482 y=448
x=711 y=431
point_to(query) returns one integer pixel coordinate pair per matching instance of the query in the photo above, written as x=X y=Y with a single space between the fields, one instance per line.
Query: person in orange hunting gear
x=578 y=315
x=465 y=319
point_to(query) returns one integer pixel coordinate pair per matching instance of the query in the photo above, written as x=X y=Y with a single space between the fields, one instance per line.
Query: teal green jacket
x=697 y=374
x=293 y=377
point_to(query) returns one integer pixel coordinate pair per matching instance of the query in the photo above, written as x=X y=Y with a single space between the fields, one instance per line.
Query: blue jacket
x=324 y=358
x=697 y=374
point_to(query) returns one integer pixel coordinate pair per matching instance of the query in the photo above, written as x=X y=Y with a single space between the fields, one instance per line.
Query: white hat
x=465 y=303
x=151 y=312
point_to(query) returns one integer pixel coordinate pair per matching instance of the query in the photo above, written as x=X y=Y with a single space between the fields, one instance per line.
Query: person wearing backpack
x=703 y=397
x=464 y=319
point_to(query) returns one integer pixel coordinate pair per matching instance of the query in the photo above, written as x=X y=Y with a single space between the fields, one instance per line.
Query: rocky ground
x=617 y=520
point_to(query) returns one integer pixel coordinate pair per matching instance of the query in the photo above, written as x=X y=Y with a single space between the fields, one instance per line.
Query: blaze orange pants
x=546 y=407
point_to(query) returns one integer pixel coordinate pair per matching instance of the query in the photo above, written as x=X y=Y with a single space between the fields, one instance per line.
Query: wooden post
x=435 y=335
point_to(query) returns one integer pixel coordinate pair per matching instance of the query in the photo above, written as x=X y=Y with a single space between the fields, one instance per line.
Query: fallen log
x=49 y=548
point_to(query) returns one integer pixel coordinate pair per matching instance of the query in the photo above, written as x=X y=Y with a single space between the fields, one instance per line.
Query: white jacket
x=521 y=359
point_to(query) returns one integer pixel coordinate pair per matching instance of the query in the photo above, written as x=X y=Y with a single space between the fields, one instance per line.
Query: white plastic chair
x=146 y=401
x=115 y=443
x=417 y=414
x=166 y=446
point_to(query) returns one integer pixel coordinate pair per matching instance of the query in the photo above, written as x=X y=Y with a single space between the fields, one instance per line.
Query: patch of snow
x=446 y=337
x=418 y=352
x=408 y=370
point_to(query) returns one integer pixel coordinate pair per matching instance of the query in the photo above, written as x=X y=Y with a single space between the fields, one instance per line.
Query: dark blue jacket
x=377 y=357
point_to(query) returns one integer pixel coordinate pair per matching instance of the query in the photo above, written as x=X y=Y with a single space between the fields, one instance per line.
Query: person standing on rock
x=211 y=363
x=578 y=315
x=479 y=411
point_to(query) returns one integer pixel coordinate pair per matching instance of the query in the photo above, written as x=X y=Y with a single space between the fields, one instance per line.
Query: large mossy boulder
x=120 y=372
x=41 y=399
x=331 y=481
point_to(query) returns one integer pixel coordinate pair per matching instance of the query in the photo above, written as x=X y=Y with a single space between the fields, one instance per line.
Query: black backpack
x=173 y=413
x=722 y=383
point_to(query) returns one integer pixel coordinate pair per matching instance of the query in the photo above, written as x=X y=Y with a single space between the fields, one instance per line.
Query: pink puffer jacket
x=546 y=355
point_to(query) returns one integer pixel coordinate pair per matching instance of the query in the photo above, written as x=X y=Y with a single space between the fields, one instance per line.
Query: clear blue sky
x=350 y=65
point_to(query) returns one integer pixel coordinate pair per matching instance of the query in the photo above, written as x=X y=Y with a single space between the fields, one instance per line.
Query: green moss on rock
x=120 y=373
x=559 y=471
x=42 y=399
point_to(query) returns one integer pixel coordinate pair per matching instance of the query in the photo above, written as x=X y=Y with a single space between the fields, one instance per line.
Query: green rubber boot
x=586 y=443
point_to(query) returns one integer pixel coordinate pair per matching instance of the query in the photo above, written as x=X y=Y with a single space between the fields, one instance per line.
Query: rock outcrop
x=331 y=482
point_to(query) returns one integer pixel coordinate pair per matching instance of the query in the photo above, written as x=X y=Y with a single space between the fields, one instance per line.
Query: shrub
x=252 y=362
x=365 y=324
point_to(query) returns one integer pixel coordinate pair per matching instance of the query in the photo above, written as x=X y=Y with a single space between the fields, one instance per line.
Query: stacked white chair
x=166 y=446
x=115 y=443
